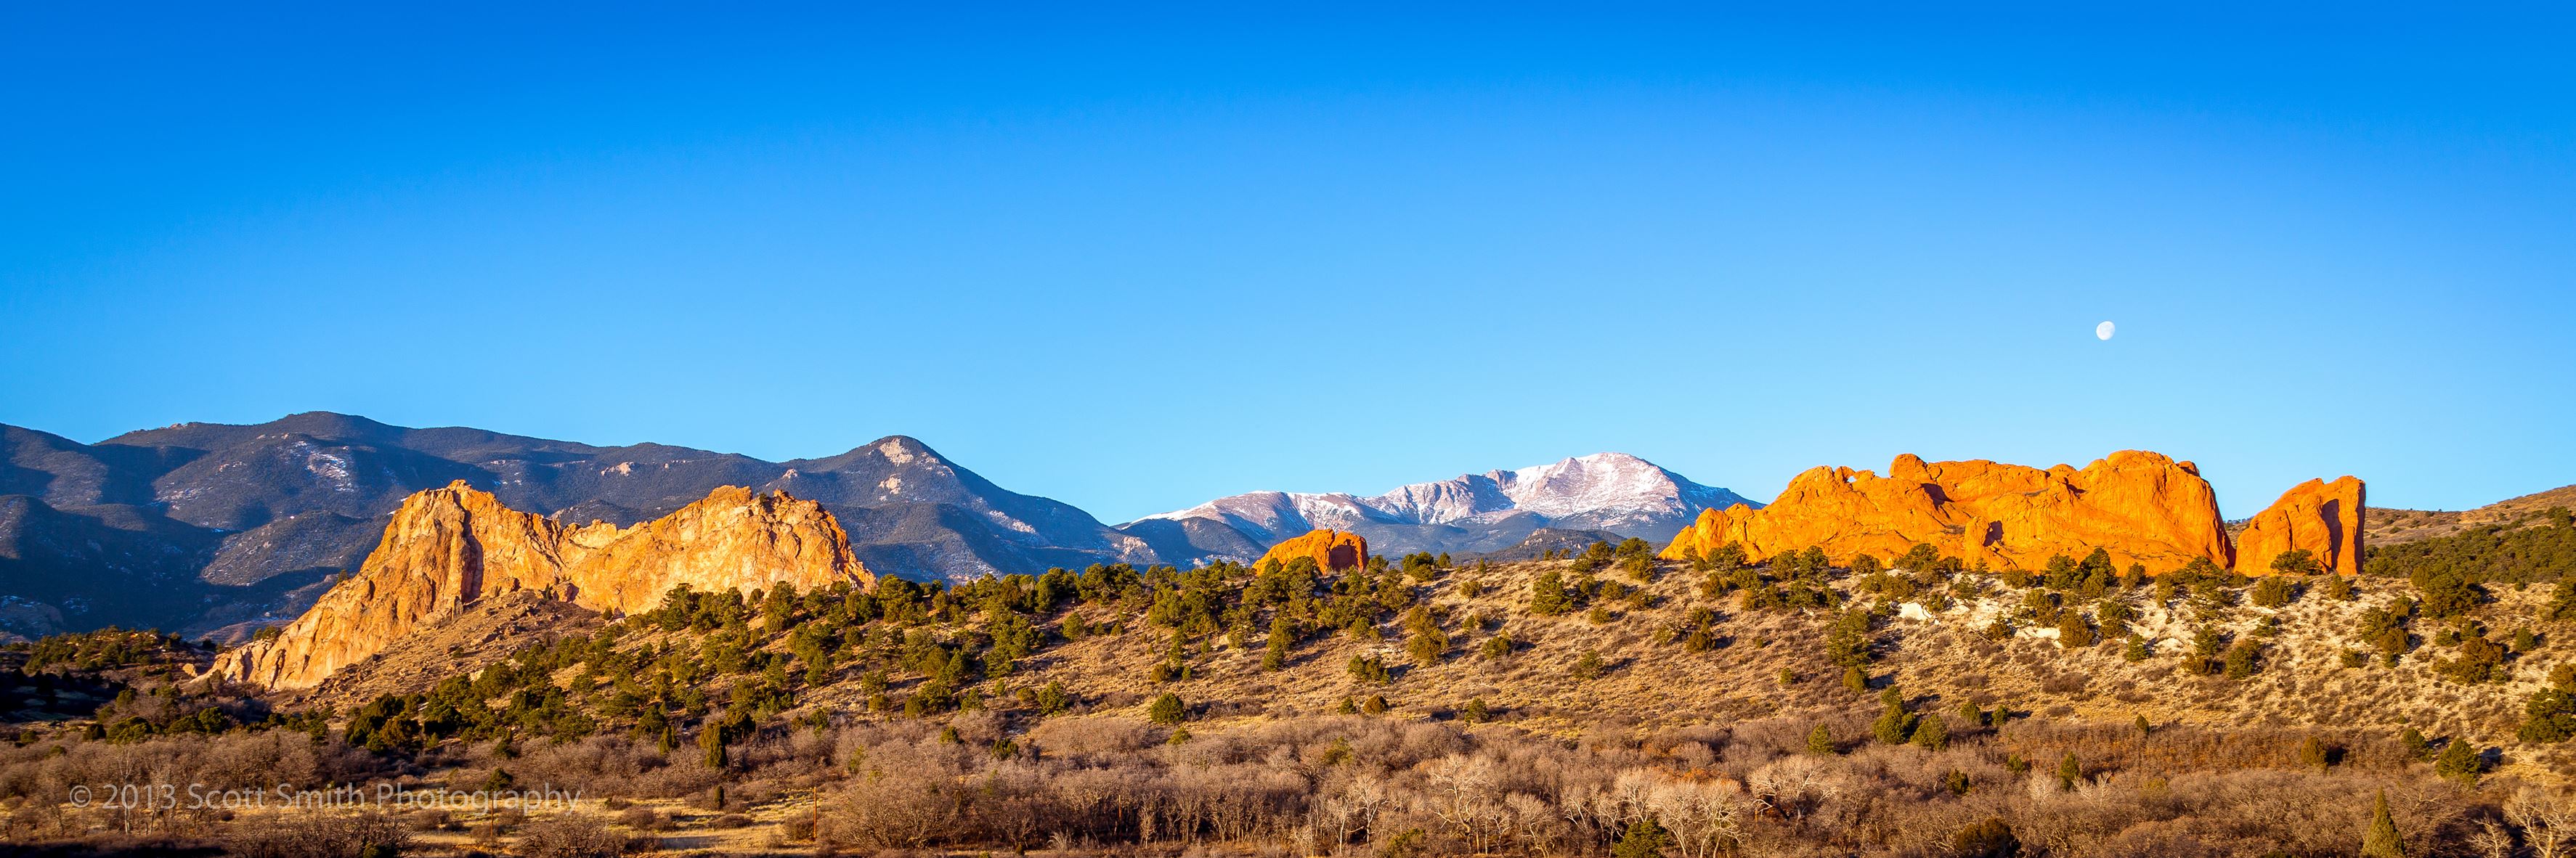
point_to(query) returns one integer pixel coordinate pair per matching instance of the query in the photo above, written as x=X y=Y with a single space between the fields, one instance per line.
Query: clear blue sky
x=1134 y=260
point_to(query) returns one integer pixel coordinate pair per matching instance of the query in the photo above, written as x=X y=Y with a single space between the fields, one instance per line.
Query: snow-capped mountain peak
x=1606 y=491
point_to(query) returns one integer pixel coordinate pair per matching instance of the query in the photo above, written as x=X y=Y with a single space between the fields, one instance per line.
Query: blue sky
x=1134 y=260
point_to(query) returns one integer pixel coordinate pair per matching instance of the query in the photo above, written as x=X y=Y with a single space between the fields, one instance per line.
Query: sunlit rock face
x=2321 y=517
x=448 y=548
x=1330 y=549
x=2142 y=508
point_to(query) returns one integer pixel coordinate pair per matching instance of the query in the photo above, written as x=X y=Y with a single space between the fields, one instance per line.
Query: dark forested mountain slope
x=199 y=526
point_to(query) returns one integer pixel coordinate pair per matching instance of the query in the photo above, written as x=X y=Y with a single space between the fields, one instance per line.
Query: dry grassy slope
x=458 y=646
x=2388 y=526
x=1937 y=661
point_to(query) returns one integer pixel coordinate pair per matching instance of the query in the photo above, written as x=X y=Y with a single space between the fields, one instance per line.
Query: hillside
x=1672 y=654
x=1612 y=668
x=1240 y=708
x=70 y=676
x=2391 y=526
x=1545 y=542
x=2534 y=549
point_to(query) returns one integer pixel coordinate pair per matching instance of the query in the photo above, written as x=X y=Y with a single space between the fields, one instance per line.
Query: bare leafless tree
x=2547 y=821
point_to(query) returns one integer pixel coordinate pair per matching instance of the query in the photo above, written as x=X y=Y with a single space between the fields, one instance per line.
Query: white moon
x=2104 y=330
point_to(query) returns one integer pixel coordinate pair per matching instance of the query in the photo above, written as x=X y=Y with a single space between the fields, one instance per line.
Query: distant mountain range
x=213 y=529
x=1473 y=513
x=199 y=526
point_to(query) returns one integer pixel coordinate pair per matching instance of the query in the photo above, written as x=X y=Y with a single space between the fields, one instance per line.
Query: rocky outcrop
x=450 y=547
x=2143 y=508
x=1330 y=549
x=2323 y=518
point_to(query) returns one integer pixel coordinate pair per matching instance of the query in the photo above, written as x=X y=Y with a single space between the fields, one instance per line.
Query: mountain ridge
x=1469 y=513
x=235 y=525
x=222 y=528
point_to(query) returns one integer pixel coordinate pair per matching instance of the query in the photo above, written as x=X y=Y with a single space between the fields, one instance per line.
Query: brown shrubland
x=1731 y=729
x=1333 y=785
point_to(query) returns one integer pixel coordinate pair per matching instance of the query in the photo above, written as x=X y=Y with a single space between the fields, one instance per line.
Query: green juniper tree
x=2273 y=591
x=2296 y=561
x=1274 y=655
x=711 y=740
x=1548 y=597
x=1894 y=724
x=1645 y=838
x=2072 y=631
x=2459 y=762
x=1424 y=639
x=1167 y=709
x=2243 y=659
x=2380 y=839
x=1589 y=666
x=1932 y=734
x=2549 y=716
x=1848 y=643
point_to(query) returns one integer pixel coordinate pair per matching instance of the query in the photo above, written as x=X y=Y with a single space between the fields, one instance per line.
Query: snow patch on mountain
x=1612 y=491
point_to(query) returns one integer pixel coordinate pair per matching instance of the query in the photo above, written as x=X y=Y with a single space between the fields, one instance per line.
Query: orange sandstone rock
x=450 y=547
x=2322 y=517
x=1331 y=550
x=2143 y=508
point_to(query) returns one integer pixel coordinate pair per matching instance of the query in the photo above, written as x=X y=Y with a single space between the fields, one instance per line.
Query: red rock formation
x=448 y=548
x=2322 y=517
x=2143 y=508
x=1331 y=550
